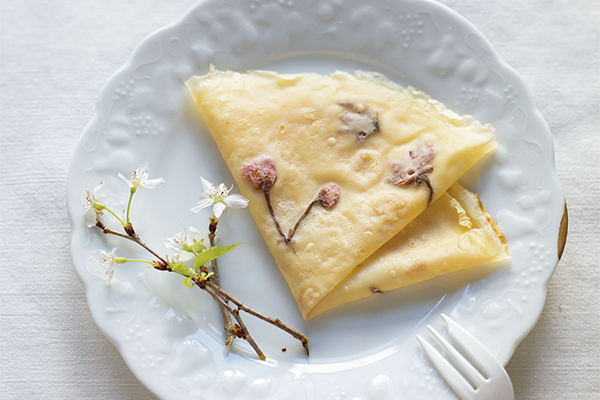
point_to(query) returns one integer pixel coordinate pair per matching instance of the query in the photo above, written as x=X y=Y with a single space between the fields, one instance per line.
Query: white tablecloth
x=55 y=58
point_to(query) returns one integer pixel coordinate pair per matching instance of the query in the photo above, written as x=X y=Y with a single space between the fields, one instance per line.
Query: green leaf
x=212 y=253
x=188 y=282
x=180 y=268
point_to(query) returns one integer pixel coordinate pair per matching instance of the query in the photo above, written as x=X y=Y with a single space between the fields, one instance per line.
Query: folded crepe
x=334 y=166
x=454 y=233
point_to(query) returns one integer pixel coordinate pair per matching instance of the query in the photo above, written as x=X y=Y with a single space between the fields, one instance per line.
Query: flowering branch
x=219 y=198
x=187 y=245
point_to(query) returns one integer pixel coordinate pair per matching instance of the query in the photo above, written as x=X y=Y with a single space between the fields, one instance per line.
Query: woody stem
x=273 y=321
x=131 y=236
x=230 y=333
x=245 y=334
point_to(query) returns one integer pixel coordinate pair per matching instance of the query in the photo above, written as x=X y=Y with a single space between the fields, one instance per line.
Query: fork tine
x=484 y=358
x=454 y=379
x=470 y=371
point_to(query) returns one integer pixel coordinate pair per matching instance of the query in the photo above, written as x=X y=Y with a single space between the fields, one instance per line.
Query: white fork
x=493 y=384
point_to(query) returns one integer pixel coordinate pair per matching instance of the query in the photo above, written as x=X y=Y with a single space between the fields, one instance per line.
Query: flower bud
x=261 y=171
x=329 y=195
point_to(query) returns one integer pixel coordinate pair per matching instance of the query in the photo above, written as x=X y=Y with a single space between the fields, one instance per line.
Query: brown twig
x=244 y=333
x=273 y=321
x=230 y=332
x=130 y=236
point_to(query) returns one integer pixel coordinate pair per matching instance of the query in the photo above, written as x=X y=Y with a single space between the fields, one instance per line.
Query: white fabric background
x=55 y=58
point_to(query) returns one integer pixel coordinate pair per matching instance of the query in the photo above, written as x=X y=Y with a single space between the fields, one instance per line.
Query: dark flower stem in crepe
x=267 y=193
x=262 y=173
x=328 y=196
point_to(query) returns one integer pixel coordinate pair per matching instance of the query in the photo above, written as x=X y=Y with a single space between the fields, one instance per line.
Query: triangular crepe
x=454 y=233
x=389 y=151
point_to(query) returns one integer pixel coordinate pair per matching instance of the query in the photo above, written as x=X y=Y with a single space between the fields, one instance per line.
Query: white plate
x=170 y=336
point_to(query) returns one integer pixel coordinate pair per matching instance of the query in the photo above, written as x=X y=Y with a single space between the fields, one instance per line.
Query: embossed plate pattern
x=170 y=336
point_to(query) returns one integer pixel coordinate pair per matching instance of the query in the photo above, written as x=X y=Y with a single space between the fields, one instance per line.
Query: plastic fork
x=489 y=381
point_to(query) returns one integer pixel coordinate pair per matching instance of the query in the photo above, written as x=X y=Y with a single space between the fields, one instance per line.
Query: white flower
x=187 y=236
x=105 y=260
x=219 y=198
x=90 y=212
x=139 y=179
